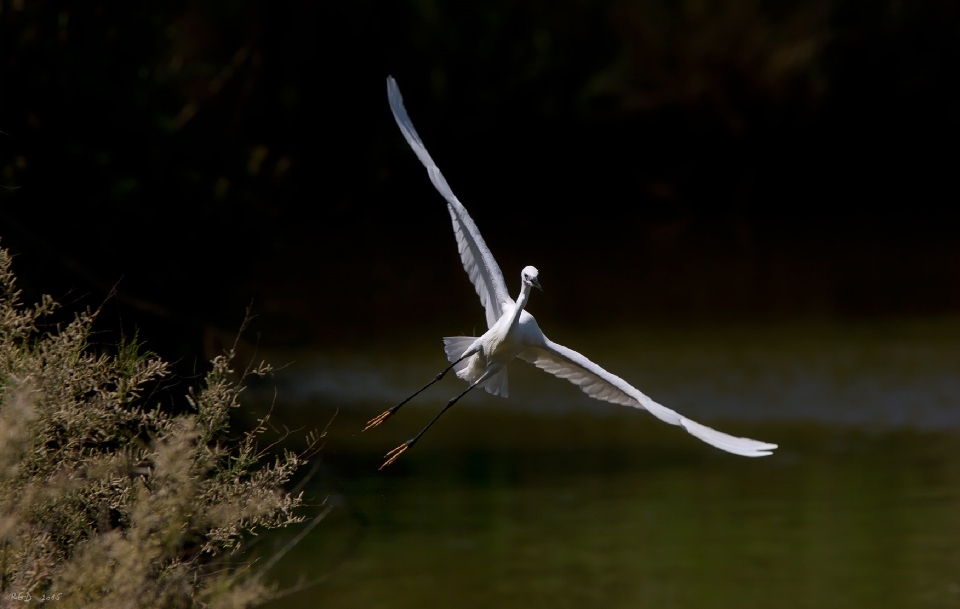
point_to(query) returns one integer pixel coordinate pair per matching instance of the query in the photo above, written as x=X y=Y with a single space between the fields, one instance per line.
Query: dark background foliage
x=696 y=160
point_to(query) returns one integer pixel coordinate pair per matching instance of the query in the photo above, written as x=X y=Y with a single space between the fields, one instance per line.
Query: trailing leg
x=396 y=452
x=386 y=414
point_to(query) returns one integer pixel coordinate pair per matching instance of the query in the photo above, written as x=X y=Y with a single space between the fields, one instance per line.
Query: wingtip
x=745 y=447
x=393 y=89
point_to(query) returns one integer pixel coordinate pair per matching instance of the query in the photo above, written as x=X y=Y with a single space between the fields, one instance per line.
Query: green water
x=518 y=503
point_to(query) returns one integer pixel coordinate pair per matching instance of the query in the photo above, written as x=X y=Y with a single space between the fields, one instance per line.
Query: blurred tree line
x=734 y=158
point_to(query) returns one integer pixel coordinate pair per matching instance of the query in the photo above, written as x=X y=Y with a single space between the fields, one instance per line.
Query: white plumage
x=513 y=332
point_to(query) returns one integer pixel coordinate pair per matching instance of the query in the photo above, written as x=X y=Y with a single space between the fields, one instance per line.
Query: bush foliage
x=108 y=499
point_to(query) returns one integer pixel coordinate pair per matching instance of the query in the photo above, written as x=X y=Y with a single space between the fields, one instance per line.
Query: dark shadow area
x=704 y=161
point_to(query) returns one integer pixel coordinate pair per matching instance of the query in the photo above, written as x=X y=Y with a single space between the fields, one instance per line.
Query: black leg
x=396 y=452
x=386 y=414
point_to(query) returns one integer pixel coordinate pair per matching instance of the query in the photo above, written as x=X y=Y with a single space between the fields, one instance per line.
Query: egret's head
x=530 y=276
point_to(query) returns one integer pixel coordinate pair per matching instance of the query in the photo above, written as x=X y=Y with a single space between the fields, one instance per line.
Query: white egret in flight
x=513 y=332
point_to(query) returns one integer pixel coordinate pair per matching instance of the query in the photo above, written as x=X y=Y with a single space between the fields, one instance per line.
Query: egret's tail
x=497 y=384
x=455 y=346
x=469 y=369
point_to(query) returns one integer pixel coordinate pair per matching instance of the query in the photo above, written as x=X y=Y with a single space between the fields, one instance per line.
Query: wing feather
x=602 y=385
x=477 y=260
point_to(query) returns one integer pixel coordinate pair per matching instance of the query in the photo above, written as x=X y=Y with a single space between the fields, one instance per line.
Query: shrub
x=108 y=499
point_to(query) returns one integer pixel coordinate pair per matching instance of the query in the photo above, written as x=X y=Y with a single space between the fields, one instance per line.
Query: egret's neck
x=525 y=290
x=521 y=302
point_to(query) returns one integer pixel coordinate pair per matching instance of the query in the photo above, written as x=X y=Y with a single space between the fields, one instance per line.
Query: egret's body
x=513 y=332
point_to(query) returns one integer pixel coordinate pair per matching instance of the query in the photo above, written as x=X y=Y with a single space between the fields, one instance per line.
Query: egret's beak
x=536 y=283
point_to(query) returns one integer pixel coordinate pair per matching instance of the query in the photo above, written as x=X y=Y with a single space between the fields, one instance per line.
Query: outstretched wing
x=474 y=253
x=602 y=385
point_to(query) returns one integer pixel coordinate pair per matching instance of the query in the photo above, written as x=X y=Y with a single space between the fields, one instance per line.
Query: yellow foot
x=393 y=454
x=377 y=420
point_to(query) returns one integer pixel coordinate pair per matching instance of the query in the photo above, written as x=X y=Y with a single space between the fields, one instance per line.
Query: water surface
x=549 y=499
